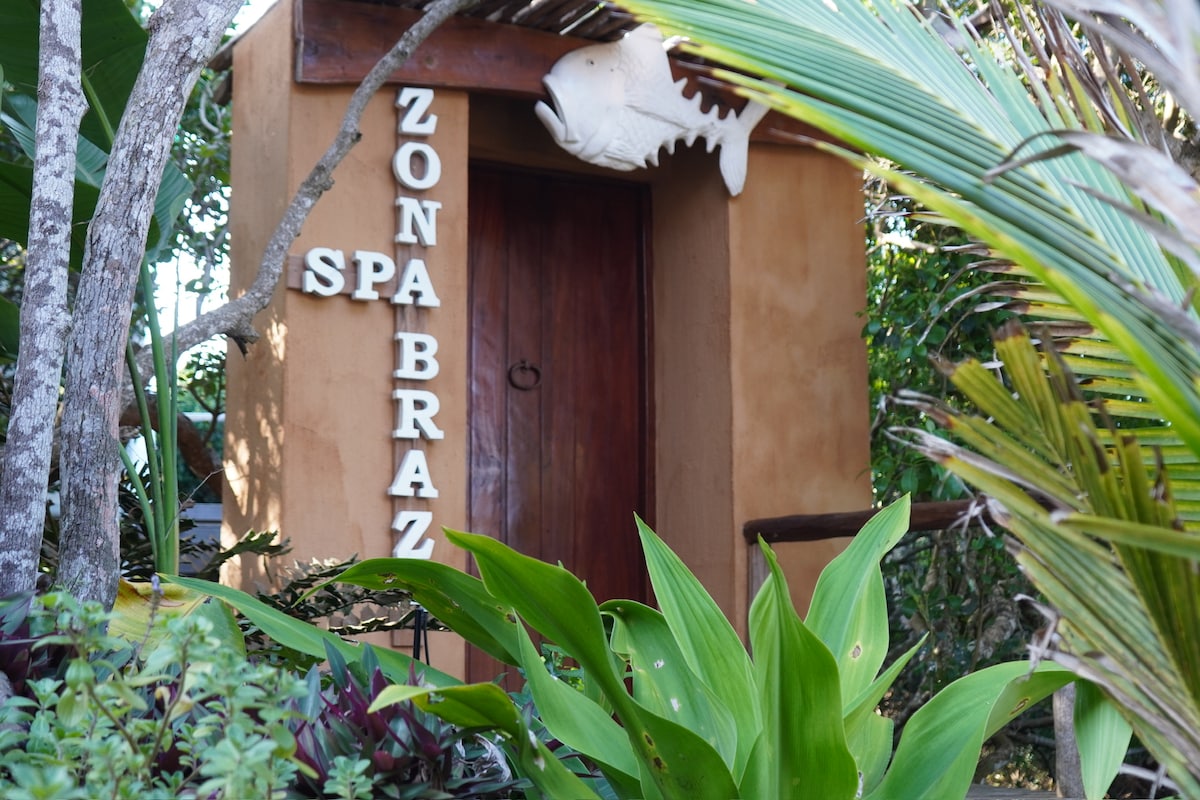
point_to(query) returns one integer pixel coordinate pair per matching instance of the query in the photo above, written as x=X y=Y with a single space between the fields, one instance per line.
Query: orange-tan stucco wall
x=759 y=372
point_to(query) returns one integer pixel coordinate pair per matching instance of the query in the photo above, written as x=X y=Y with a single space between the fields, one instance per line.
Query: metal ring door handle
x=524 y=376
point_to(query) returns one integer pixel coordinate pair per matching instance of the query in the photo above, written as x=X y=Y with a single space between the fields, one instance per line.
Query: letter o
x=402 y=165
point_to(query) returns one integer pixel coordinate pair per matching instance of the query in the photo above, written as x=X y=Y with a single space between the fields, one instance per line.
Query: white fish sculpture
x=616 y=104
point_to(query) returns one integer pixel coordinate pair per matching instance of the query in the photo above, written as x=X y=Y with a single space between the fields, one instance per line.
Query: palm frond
x=1100 y=536
x=951 y=117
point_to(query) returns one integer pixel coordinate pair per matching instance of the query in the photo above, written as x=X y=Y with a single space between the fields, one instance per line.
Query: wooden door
x=559 y=411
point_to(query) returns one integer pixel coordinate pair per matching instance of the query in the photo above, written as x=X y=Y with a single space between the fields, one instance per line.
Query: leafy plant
x=457 y=599
x=703 y=718
x=22 y=656
x=957 y=586
x=187 y=715
x=922 y=296
x=305 y=637
x=159 y=497
x=398 y=751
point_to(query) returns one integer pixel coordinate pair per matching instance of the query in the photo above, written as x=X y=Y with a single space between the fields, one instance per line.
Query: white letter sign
x=416 y=361
x=412 y=525
x=373 y=268
x=415 y=287
x=323 y=269
x=402 y=166
x=416 y=120
x=421 y=215
x=414 y=418
x=412 y=478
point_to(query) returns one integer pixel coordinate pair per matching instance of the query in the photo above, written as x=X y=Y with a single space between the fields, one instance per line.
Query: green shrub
x=181 y=712
x=672 y=705
x=189 y=717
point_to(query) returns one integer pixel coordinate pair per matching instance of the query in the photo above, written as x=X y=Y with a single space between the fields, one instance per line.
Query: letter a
x=416 y=287
x=412 y=479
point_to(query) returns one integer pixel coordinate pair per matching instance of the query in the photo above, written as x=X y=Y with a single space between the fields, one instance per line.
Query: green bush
x=671 y=705
x=181 y=713
x=189 y=716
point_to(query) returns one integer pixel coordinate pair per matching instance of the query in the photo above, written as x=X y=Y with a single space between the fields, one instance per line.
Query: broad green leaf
x=1102 y=736
x=759 y=777
x=556 y=604
x=113 y=48
x=395 y=694
x=16 y=194
x=941 y=742
x=849 y=611
x=307 y=638
x=866 y=702
x=708 y=642
x=552 y=600
x=173 y=191
x=575 y=720
x=90 y=159
x=662 y=681
x=452 y=596
x=870 y=742
x=797 y=681
x=677 y=761
x=136 y=605
x=863 y=729
x=476 y=705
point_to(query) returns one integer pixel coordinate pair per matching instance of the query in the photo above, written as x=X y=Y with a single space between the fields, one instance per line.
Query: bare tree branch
x=234 y=318
x=44 y=316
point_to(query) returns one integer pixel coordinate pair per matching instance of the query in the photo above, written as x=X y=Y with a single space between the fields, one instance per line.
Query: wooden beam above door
x=338 y=42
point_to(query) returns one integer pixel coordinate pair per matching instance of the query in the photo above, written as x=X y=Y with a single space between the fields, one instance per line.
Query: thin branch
x=234 y=318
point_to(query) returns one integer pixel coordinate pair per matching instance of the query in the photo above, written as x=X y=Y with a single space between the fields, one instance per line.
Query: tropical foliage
x=702 y=718
x=1013 y=154
x=170 y=706
x=398 y=751
x=176 y=712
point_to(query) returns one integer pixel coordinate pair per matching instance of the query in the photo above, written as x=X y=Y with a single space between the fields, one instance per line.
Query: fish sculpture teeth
x=616 y=105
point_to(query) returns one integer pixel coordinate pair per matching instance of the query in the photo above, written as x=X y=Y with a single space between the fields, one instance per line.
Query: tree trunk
x=44 y=317
x=183 y=36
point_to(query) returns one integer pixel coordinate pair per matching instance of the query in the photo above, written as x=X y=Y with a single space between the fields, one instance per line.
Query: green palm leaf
x=1090 y=517
x=951 y=119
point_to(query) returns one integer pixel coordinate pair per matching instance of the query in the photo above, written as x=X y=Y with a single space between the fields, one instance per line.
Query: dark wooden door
x=559 y=411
